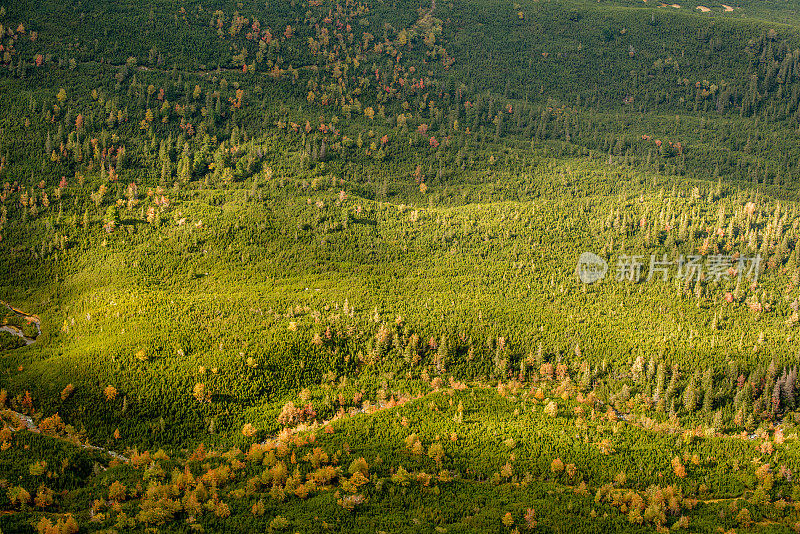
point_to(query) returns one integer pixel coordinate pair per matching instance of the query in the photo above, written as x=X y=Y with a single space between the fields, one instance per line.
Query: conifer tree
x=690 y=394
x=708 y=391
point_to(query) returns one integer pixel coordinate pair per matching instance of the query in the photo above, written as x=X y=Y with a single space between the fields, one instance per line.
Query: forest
x=317 y=266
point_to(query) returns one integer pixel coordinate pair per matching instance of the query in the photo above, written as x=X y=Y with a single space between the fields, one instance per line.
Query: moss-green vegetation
x=361 y=222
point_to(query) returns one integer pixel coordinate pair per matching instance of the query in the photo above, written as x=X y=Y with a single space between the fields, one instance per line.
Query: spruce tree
x=690 y=394
x=708 y=391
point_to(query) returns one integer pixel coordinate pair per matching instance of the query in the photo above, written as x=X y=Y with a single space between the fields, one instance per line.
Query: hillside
x=311 y=266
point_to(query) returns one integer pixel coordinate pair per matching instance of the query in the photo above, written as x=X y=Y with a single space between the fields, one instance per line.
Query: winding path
x=26 y=420
x=30 y=425
x=16 y=331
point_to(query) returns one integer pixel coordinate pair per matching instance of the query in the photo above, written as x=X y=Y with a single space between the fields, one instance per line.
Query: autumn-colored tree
x=557 y=466
x=744 y=518
x=258 y=508
x=18 y=495
x=38 y=468
x=200 y=393
x=44 y=526
x=27 y=403
x=289 y=414
x=358 y=479
x=436 y=453
x=678 y=468
x=44 y=497
x=279 y=523
x=359 y=465
x=110 y=392
x=530 y=518
x=606 y=447
x=239 y=96
x=507 y=470
x=69 y=388
x=116 y=492
x=52 y=425
x=413 y=443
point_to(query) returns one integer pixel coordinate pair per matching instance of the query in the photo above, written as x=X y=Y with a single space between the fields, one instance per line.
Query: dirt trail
x=33 y=427
x=16 y=331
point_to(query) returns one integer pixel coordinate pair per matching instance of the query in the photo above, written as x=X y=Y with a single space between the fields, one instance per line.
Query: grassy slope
x=188 y=297
x=215 y=296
